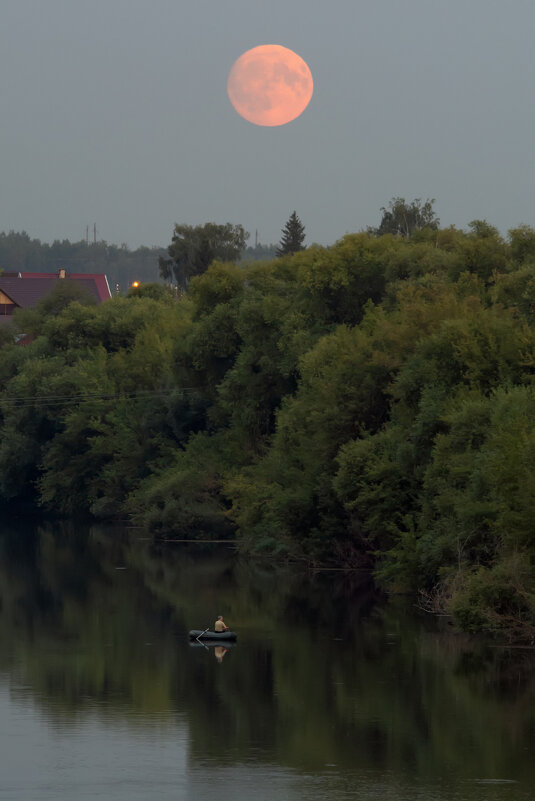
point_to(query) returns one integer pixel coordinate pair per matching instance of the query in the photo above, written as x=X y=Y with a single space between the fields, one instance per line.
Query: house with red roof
x=25 y=290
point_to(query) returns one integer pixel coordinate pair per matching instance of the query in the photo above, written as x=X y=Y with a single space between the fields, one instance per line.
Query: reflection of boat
x=212 y=644
x=213 y=636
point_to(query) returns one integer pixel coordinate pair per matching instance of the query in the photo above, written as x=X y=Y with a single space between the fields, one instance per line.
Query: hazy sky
x=116 y=112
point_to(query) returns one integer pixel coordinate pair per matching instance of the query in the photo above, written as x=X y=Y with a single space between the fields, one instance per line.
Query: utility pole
x=94 y=233
x=87 y=235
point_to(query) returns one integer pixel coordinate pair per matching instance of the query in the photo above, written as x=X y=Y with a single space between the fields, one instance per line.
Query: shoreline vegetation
x=367 y=405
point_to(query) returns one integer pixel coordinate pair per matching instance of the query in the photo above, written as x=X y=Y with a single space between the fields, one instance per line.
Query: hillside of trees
x=19 y=252
x=122 y=266
x=370 y=404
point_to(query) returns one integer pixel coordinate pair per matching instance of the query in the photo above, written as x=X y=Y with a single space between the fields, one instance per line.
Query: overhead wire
x=61 y=400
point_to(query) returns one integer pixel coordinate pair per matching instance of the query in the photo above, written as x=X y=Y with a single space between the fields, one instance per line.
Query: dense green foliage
x=370 y=404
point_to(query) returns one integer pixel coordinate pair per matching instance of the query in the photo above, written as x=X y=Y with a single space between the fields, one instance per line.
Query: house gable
x=7 y=304
x=25 y=290
x=4 y=298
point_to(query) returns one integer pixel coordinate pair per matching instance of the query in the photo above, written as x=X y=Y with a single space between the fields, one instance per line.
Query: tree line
x=21 y=253
x=194 y=247
x=369 y=404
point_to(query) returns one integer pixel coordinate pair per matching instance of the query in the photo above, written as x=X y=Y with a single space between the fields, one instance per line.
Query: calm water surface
x=328 y=694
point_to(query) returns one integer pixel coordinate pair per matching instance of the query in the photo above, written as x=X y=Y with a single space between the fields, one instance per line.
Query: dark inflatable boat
x=213 y=636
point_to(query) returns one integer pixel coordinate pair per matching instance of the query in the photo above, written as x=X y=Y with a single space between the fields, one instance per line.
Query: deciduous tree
x=401 y=218
x=194 y=248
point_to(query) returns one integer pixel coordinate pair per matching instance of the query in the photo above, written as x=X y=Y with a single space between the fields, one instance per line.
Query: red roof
x=27 y=289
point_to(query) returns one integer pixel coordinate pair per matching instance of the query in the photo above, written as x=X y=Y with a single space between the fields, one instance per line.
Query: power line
x=59 y=400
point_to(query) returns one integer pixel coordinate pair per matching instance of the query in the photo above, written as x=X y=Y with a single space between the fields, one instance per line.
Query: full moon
x=270 y=85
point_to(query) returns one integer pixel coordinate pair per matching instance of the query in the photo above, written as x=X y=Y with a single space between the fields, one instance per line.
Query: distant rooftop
x=27 y=289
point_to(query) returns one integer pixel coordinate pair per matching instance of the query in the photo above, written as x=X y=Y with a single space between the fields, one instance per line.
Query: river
x=331 y=693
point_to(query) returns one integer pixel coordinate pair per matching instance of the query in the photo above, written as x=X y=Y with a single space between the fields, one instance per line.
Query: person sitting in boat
x=220 y=625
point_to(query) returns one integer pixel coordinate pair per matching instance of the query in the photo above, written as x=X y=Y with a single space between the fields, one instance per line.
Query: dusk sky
x=116 y=112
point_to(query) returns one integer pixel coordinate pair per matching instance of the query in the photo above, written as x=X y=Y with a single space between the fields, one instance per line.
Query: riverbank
x=367 y=405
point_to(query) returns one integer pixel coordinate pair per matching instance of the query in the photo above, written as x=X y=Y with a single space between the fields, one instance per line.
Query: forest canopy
x=369 y=404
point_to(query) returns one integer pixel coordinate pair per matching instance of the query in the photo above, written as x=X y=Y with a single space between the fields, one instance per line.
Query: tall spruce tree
x=293 y=235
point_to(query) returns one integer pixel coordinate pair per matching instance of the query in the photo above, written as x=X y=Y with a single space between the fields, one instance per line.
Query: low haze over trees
x=259 y=252
x=20 y=253
x=369 y=405
x=122 y=266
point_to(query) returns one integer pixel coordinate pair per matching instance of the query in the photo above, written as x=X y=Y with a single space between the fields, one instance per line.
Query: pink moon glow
x=270 y=85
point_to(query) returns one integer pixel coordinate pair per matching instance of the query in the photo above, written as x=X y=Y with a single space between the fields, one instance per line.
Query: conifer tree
x=293 y=235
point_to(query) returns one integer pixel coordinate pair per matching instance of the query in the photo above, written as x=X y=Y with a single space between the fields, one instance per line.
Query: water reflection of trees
x=321 y=674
